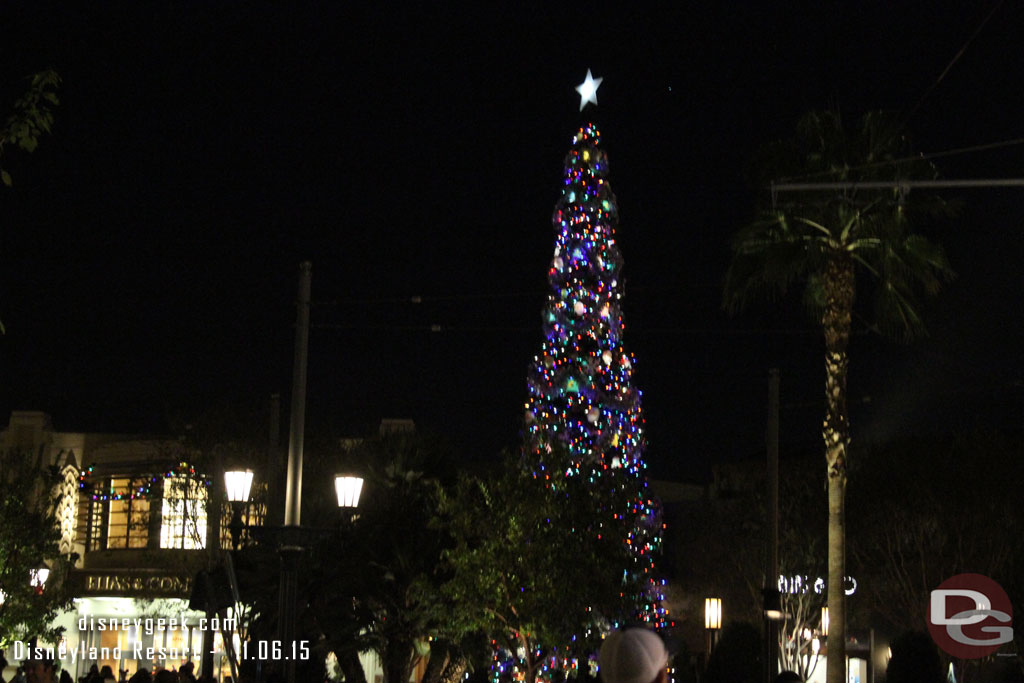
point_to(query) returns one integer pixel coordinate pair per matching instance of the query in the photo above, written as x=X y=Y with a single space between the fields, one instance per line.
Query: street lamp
x=713 y=613
x=238 y=484
x=824 y=621
x=348 y=489
x=712 y=621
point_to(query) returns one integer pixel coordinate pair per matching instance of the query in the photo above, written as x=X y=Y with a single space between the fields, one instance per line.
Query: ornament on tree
x=585 y=401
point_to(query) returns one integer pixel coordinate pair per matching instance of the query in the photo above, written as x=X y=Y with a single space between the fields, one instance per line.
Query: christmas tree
x=583 y=416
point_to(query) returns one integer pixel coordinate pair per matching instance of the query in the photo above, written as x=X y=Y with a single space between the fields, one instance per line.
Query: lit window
x=184 y=514
x=128 y=523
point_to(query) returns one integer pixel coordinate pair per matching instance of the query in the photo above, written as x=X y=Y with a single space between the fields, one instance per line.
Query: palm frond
x=769 y=256
x=872 y=225
x=905 y=269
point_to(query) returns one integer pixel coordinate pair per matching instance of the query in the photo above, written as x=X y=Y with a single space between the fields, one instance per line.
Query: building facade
x=137 y=518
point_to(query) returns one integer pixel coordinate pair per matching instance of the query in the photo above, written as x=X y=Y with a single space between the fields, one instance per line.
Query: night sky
x=150 y=246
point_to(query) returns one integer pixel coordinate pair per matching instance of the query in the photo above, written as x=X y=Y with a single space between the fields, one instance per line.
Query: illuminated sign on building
x=801 y=584
x=134 y=584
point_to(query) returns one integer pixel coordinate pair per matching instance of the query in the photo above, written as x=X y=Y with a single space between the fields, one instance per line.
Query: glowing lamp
x=239 y=485
x=713 y=613
x=824 y=621
x=348 y=489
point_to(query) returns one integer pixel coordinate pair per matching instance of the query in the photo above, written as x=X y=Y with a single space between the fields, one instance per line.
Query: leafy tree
x=31 y=118
x=534 y=566
x=824 y=241
x=381 y=591
x=30 y=540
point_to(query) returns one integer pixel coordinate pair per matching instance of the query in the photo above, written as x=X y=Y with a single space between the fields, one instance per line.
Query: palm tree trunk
x=455 y=669
x=839 y=293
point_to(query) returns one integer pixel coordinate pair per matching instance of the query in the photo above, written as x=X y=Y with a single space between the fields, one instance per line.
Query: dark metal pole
x=293 y=492
x=772 y=447
x=290 y=549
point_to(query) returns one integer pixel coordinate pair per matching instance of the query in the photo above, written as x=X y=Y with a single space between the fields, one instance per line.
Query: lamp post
x=712 y=622
x=291 y=537
x=238 y=484
x=291 y=548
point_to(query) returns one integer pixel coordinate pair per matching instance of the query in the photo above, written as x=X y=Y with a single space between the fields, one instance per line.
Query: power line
x=901 y=185
x=444 y=298
x=420 y=299
x=634 y=331
x=917 y=157
x=953 y=61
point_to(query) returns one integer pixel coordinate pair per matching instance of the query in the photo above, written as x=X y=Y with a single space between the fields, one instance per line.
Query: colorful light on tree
x=583 y=414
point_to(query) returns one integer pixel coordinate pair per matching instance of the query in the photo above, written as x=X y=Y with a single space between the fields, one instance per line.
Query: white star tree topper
x=588 y=90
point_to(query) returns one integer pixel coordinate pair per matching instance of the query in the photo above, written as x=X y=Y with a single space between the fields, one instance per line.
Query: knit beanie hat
x=634 y=655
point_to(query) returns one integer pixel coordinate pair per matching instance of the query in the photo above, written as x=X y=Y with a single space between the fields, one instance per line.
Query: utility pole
x=291 y=548
x=296 y=437
x=772 y=599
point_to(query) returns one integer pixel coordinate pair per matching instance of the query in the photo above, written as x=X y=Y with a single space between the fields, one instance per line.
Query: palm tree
x=827 y=242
